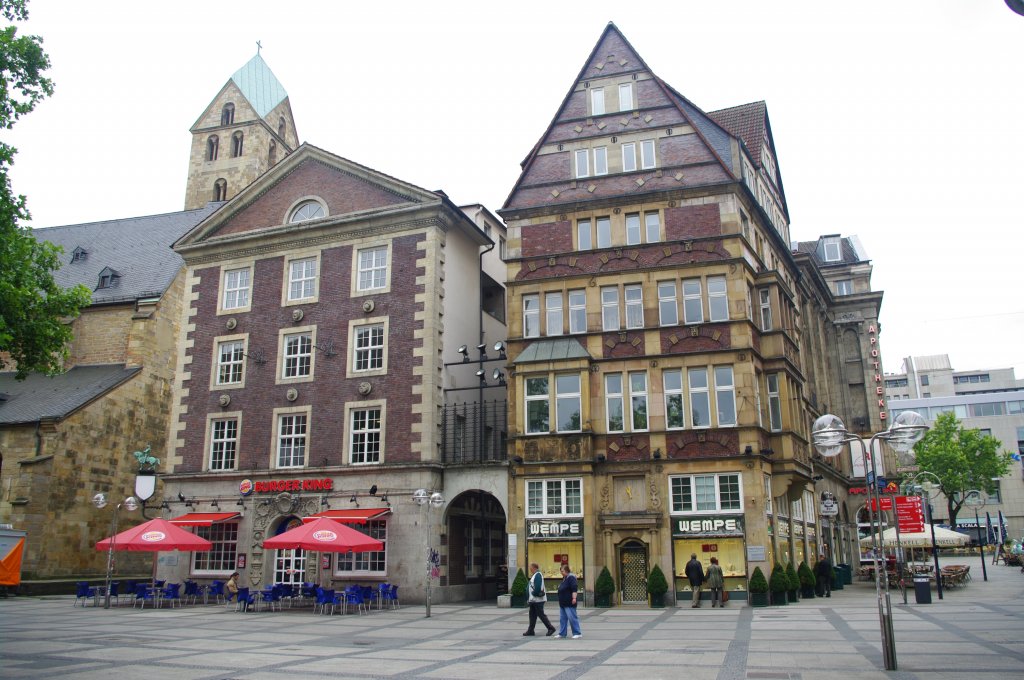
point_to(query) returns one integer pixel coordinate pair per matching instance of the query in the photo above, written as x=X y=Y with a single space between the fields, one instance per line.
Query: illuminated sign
x=554 y=529
x=707 y=526
x=247 y=486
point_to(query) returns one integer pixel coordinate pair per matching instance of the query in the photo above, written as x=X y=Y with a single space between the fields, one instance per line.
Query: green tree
x=963 y=460
x=33 y=308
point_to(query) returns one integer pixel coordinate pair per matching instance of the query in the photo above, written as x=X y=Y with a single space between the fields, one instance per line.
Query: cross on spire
x=258 y=47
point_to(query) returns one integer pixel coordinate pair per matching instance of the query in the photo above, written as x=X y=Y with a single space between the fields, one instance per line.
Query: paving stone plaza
x=976 y=631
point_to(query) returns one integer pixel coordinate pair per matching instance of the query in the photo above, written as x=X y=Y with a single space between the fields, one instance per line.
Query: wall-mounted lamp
x=373 y=490
x=482 y=348
x=518 y=460
x=657 y=454
x=188 y=504
x=165 y=506
x=482 y=375
x=354 y=501
x=385 y=501
x=498 y=376
x=749 y=450
x=181 y=497
x=767 y=452
x=215 y=504
x=464 y=351
x=600 y=458
x=240 y=501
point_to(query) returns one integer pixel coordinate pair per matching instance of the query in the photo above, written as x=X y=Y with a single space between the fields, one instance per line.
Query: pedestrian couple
x=714 y=578
x=567 y=591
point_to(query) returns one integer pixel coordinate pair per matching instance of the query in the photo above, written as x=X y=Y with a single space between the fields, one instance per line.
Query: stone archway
x=474 y=546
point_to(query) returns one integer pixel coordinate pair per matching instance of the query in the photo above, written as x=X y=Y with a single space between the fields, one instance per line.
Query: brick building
x=658 y=393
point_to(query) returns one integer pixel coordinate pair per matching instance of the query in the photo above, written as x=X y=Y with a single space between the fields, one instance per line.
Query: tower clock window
x=227 y=114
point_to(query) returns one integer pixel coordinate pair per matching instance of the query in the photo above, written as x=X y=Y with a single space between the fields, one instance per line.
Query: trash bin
x=923 y=589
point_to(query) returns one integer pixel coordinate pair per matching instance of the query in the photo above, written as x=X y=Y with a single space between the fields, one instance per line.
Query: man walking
x=695 y=572
x=538 y=596
x=823 y=576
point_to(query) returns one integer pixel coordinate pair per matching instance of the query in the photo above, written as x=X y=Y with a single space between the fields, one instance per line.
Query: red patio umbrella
x=324 y=535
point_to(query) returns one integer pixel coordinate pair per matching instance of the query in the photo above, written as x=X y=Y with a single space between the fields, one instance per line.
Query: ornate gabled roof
x=259 y=85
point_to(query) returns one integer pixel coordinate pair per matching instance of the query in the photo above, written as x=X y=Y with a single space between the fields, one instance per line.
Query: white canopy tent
x=944 y=538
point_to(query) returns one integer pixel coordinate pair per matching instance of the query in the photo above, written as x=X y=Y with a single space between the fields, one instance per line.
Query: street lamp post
x=926 y=488
x=975 y=499
x=829 y=436
x=434 y=501
x=129 y=504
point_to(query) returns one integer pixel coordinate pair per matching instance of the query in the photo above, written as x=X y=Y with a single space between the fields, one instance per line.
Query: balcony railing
x=474 y=432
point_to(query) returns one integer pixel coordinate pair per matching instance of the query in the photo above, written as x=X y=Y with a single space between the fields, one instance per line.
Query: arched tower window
x=272 y=154
x=281 y=128
x=227 y=114
x=220 y=190
x=236 y=145
x=212 y=147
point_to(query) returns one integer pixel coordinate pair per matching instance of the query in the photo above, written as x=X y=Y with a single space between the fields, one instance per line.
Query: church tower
x=244 y=131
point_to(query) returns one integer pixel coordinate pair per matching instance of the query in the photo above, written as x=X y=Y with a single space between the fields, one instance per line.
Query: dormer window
x=307 y=210
x=227 y=114
x=108 y=278
x=832 y=250
x=79 y=254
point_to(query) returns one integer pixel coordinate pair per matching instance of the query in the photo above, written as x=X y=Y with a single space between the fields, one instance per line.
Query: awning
x=351 y=515
x=203 y=519
x=552 y=350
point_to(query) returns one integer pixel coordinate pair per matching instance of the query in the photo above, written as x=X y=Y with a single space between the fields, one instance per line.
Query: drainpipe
x=480 y=292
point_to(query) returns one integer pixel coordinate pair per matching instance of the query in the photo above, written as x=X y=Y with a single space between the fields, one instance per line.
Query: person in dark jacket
x=695 y=572
x=823 y=576
x=567 y=604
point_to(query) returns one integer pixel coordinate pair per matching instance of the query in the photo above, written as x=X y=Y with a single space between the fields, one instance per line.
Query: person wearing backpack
x=538 y=596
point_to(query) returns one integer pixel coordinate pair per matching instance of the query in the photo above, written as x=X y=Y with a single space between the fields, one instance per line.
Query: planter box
x=807 y=593
x=793 y=596
x=758 y=599
x=603 y=600
x=519 y=601
x=657 y=601
x=780 y=599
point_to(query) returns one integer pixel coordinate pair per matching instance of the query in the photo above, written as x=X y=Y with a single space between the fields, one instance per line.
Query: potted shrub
x=807 y=580
x=794 y=582
x=518 y=591
x=603 y=588
x=758 y=589
x=657 y=586
x=778 y=584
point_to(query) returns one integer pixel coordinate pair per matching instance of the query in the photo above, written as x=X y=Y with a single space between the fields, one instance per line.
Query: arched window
x=236 y=145
x=281 y=128
x=307 y=210
x=272 y=154
x=220 y=190
x=227 y=114
x=212 y=147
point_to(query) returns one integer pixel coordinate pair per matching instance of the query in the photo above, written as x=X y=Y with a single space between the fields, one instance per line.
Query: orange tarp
x=10 y=565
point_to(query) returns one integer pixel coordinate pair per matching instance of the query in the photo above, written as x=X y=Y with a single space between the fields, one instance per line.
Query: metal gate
x=633 y=572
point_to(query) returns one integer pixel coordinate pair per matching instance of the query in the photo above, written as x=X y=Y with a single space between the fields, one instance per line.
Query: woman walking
x=715 y=580
x=567 y=590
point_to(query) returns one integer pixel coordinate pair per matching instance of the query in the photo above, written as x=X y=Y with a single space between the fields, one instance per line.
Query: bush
x=757 y=582
x=604 y=585
x=806 y=576
x=519 y=584
x=778 y=583
x=656 y=583
x=794 y=581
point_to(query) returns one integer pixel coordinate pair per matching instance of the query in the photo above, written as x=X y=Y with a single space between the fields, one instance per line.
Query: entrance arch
x=475 y=525
x=633 y=560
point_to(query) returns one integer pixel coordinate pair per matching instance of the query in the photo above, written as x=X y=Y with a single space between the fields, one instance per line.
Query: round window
x=308 y=210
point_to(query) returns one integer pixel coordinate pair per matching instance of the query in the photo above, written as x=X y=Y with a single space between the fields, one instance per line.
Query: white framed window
x=291 y=439
x=632 y=229
x=844 y=287
x=531 y=316
x=610 y=309
x=368 y=353
x=652 y=225
x=604 y=232
x=718 y=299
x=796 y=509
x=638 y=401
x=626 y=97
x=298 y=356
x=554 y=497
x=568 y=407
x=668 y=308
x=706 y=493
x=584 y=235
x=364 y=436
x=231 y=362
x=725 y=396
x=601 y=161
x=700 y=405
x=832 y=251
x=302 y=279
x=237 y=289
x=774 y=403
x=629 y=157
x=634 y=297
x=370 y=562
x=372 y=271
x=765 y=296
x=220 y=559
x=613 y=404
x=537 y=407
x=582 y=163
x=596 y=101
x=553 y=313
x=577 y=311
x=693 y=306
x=647 y=160
x=675 y=413
x=222 y=441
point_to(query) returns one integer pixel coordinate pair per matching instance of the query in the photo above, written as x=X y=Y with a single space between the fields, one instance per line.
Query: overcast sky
x=899 y=121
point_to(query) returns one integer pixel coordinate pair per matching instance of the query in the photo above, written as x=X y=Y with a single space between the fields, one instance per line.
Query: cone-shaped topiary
x=519 y=584
x=778 y=583
x=794 y=581
x=604 y=584
x=656 y=583
x=758 y=584
x=806 y=576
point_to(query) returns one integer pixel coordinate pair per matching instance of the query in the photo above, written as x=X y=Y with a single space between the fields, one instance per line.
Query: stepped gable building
x=245 y=130
x=658 y=401
x=325 y=308
x=66 y=438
